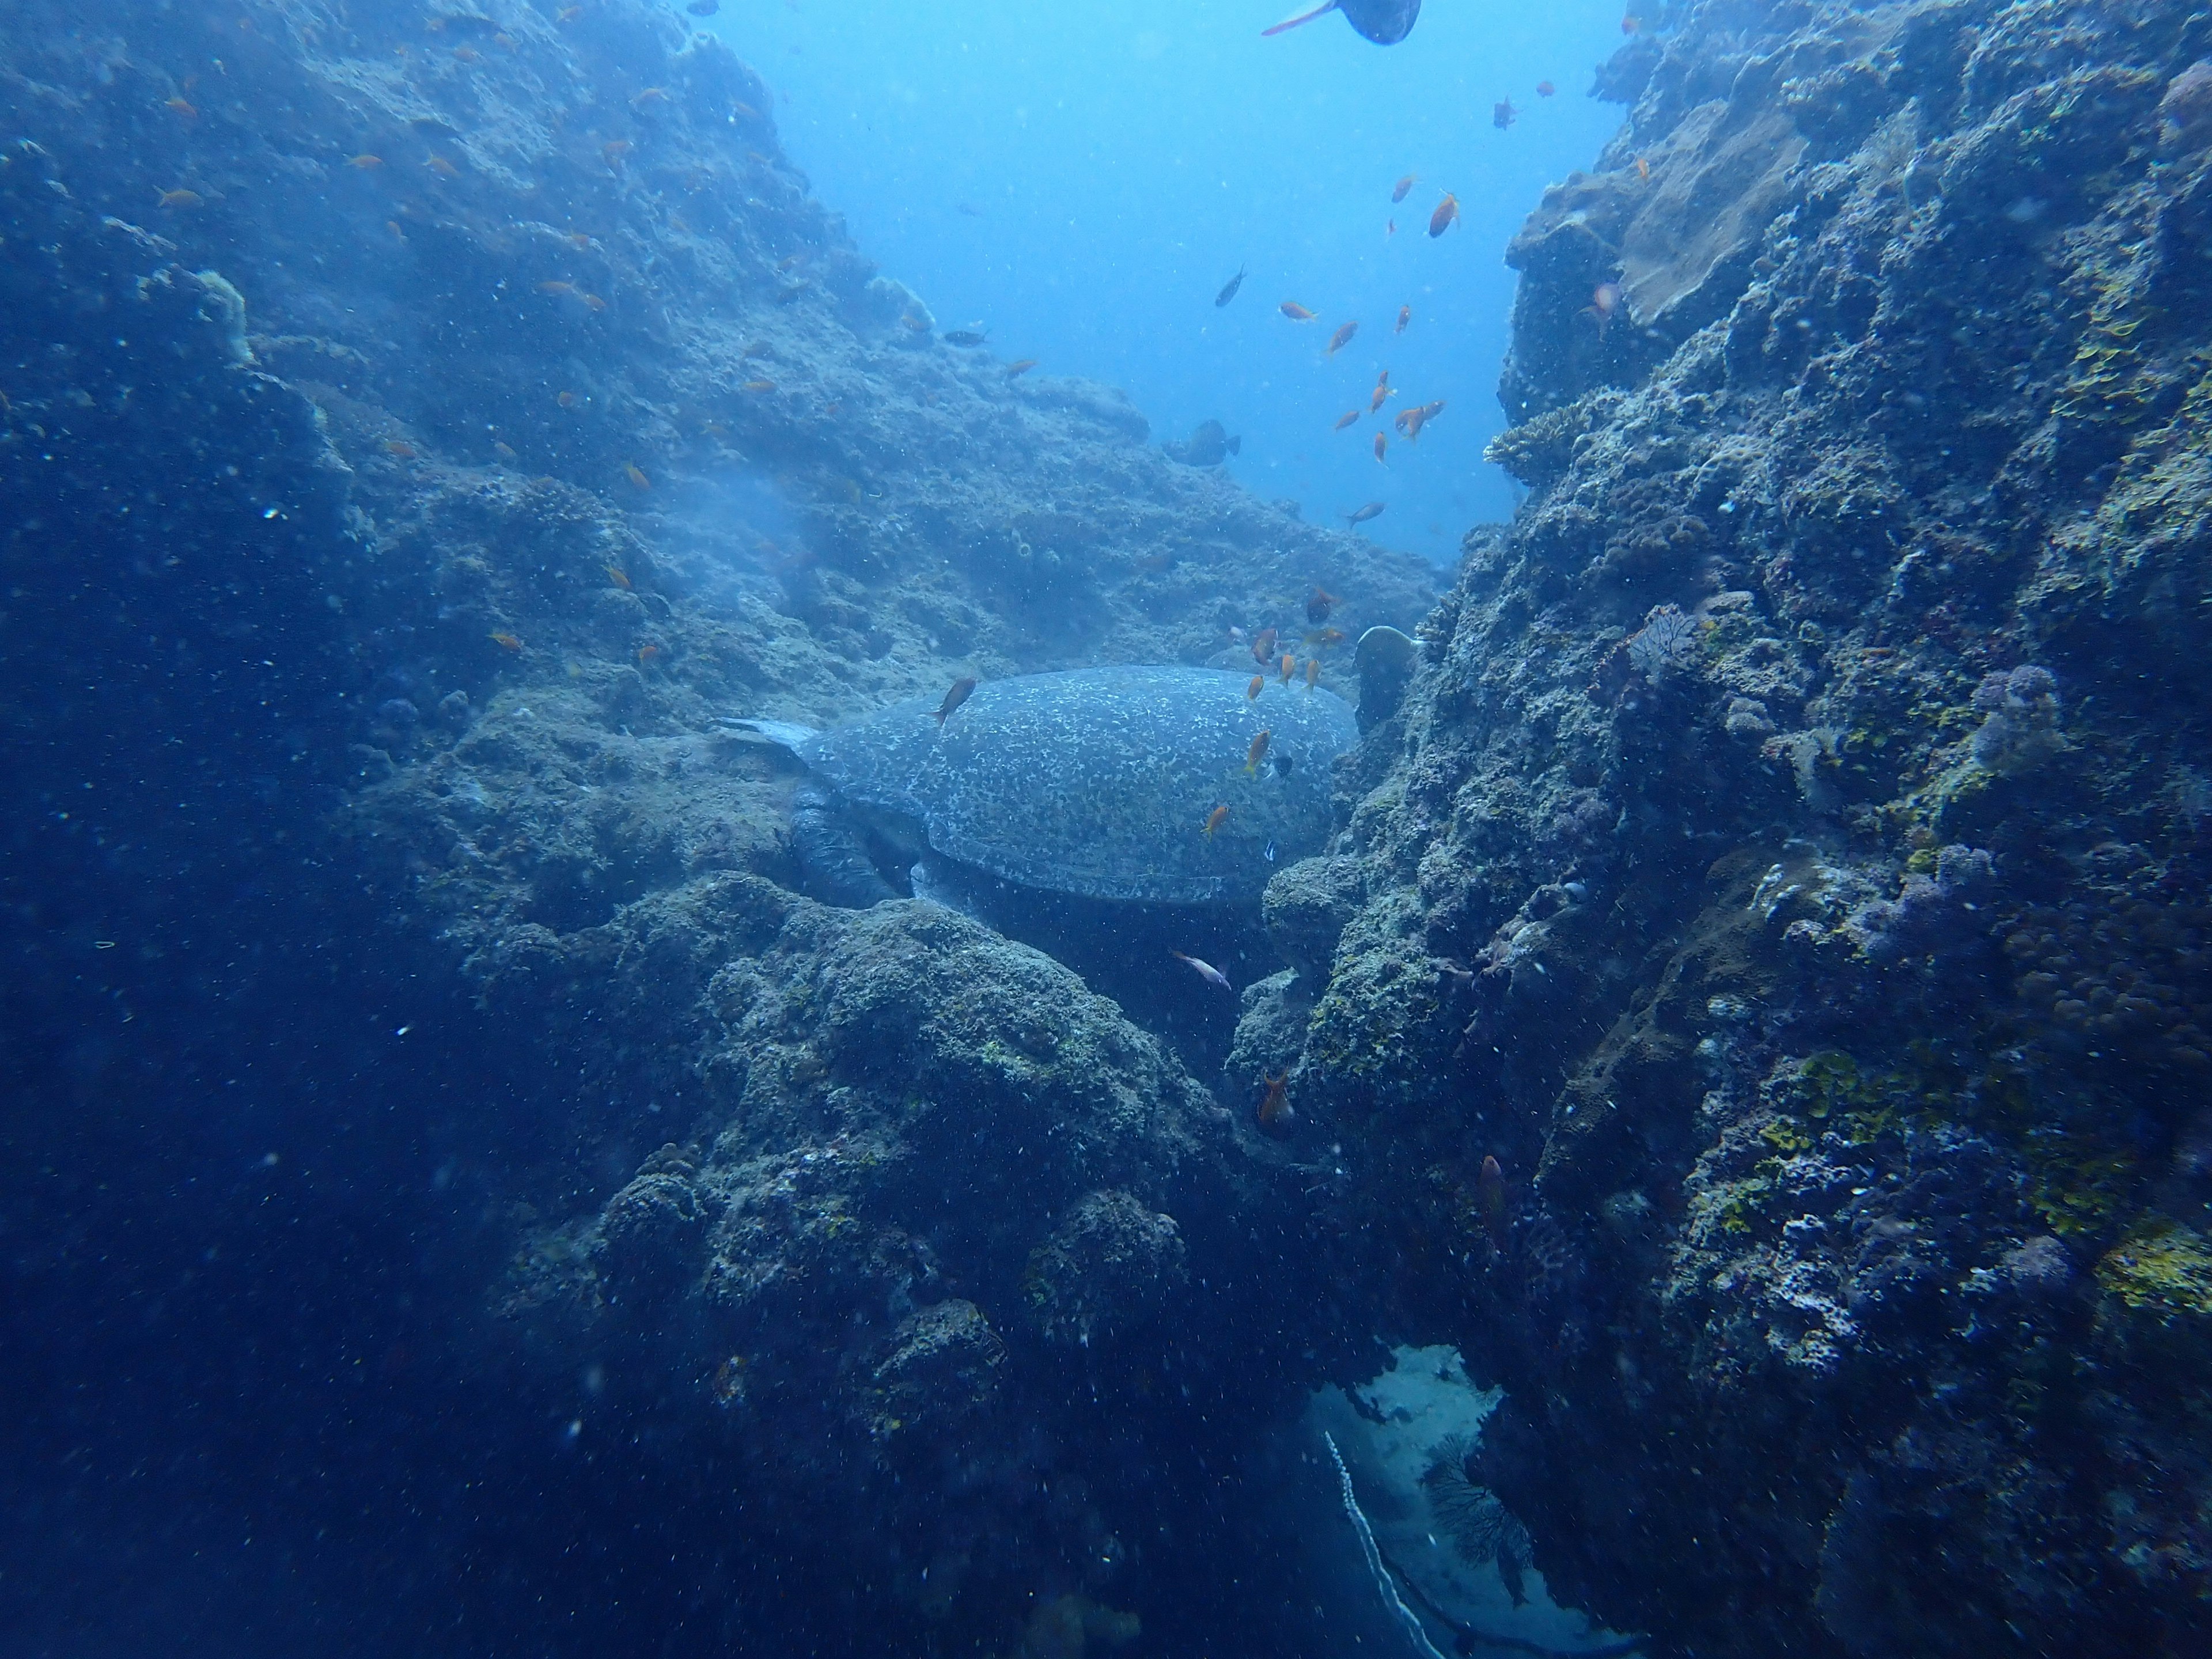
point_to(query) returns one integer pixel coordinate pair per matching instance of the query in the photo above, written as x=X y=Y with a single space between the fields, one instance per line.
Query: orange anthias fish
x=1382 y=391
x=1263 y=645
x=1446 y=211
x=1252 y=691
x=619 y=577
x=183 y=106
x=1325 y=637
x=1287 y=666
x=365 y=162
x=1258 y=751
x=1631 y=24
x=1489 y=1201
x=557 y=287
x=1205 y=970
x=1410 y=422
x=181 y=198
x=506 y=641
x=1319 y=603
x=1345 y=419
x=1643 y=171
x=1545 y=89
x=1214 y=820
x=1405 y=316
x=1381 y=446
x=1275 y=1111
x=1296 y=312
x=635 y=474
x=1023 y=366
x=1398 y=191
x=1342 y=338
x=961 y=690
x=1313 y=672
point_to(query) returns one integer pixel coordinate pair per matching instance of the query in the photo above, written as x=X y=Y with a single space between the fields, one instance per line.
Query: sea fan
x=1667 y=641
x=1481 y=1528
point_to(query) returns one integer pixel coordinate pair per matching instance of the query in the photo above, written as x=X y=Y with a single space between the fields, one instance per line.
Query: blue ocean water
x=1081 y=180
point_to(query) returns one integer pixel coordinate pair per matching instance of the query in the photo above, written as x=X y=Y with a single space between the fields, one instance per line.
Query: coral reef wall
x=421 y=428
x=1791 y=862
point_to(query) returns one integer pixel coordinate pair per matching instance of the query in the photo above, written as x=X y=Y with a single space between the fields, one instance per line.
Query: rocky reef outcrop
x=422 y=427
x=1790 y=863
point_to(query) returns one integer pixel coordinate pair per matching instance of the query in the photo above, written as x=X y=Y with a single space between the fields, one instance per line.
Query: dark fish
x=1386 y=22
x=1502 y=114
x=704 y=8
x=1210 y=445
x=1275 y=1111
x=960 y=692
x=1447 y=212
x=1321 y=601
x=1398 y=191
x=1342 y=338
x=1490 y=1202
x=1372 y=510
x=963 y=336
x=1229 y=288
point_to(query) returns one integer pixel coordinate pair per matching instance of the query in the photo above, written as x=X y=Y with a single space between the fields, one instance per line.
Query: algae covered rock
x=904 y=1106
x=1305 y=910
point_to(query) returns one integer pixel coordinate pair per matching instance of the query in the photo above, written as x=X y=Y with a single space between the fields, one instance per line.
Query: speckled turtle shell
x=1100 y=782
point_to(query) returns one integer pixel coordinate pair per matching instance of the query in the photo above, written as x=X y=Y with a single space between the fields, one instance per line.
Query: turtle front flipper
x=832 y=851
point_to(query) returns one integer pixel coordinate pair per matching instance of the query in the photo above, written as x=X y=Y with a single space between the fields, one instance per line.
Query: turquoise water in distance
x=1081 y=179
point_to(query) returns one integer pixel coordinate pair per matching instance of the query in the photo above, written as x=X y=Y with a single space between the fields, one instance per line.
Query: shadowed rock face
x=932 y=1179
x=1792 y=863
x=417 y=441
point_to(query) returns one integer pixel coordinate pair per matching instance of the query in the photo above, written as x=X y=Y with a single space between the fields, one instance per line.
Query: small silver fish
x=1205 y=970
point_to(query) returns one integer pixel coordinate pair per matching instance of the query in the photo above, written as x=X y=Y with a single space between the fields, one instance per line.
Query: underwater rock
x=1108 y=1269
x=1892 y=1025
x=1385 y=660
x=1305 y=910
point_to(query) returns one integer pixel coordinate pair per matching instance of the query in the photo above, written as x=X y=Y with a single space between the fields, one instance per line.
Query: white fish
x=1206 y=970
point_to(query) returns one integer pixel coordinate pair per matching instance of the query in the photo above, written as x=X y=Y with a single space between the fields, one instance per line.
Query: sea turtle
x=1386 y=22
x=1102 y=782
